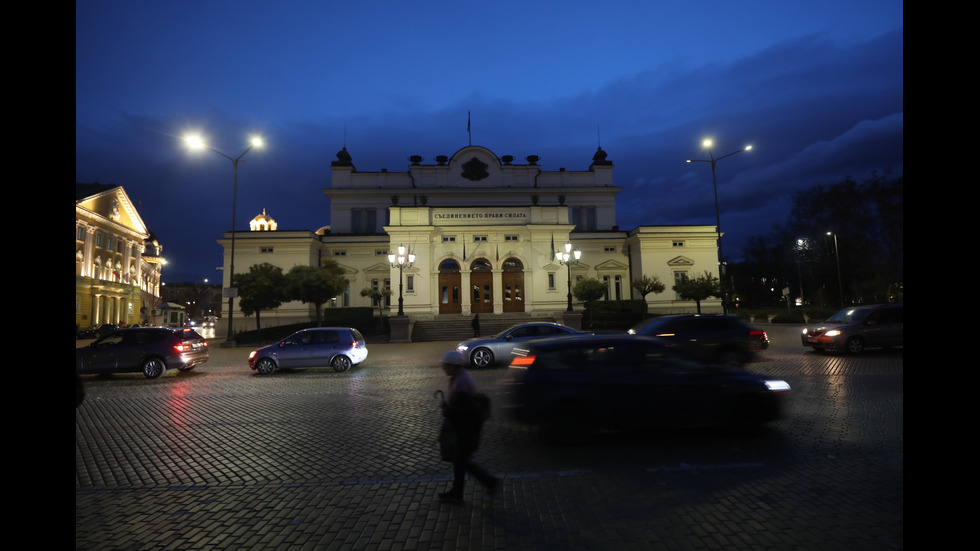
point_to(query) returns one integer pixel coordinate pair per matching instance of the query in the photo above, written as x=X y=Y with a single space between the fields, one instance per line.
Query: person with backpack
x=464 y=411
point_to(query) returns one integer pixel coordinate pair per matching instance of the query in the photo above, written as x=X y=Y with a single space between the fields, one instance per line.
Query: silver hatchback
x=337 y=347
x=856 y=328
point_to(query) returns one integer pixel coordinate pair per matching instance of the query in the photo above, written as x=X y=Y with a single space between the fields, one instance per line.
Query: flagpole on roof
x=468 y=133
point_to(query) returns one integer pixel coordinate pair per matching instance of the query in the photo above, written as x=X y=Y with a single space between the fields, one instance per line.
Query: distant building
x=483 y=231
x=118 y=261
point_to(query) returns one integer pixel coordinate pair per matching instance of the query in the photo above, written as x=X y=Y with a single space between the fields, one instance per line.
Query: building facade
x=483 y=231
x=118 y=262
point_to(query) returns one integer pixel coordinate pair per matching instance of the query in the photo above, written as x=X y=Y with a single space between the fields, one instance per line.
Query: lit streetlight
x=404 y=259
x=197 y=143
x=714 y=181
x=567 y=258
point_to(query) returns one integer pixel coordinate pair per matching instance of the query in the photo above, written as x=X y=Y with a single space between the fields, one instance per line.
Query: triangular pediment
x=680 y=261
x=113 y=205
x=611 y=265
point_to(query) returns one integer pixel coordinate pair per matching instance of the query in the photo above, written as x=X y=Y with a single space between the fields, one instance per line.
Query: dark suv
x=150 y=350
x=719 y=338
x=569 y=387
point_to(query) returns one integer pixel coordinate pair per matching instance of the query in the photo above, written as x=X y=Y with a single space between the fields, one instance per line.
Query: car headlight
x=777 y=386
x=462 y=348
x=832 y=333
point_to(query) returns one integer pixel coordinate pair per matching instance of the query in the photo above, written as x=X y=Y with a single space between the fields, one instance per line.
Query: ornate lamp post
x=197 y=143
x=404 y=259
x=567 y=258
x=714 y=181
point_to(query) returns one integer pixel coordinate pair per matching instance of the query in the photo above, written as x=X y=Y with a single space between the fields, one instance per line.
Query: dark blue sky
x=816 y=88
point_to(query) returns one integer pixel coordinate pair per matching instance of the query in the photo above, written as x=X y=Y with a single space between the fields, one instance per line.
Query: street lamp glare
x=257 y=142
x=195 y=142
x=706 y=143
x=748 y=148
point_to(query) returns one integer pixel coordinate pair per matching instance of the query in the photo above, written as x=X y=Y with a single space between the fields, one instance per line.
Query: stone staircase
x=450 y=327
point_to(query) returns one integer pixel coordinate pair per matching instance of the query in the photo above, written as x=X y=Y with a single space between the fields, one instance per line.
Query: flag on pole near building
x=468 y=134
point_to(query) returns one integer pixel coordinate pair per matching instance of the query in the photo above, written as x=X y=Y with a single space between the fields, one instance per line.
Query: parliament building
x=479 y=234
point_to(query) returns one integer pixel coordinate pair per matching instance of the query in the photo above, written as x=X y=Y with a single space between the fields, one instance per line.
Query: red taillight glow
x=181 y=347
x=353 y=344
x=522 y=361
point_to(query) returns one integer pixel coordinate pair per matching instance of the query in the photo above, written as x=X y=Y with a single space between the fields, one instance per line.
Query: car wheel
x=854 y=345
x=340 y=364
x=154 y=368
x=265 y=366
x=482 y=357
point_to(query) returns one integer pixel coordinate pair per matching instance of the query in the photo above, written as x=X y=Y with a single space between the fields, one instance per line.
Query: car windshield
x=849 y=315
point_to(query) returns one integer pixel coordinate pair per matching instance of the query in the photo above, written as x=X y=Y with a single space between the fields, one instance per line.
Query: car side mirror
x=509 y=338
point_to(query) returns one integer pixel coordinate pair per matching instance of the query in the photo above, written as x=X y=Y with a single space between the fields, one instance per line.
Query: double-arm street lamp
x=714 y=182
x=404 y=259
x=197 y=143
x=567 y=258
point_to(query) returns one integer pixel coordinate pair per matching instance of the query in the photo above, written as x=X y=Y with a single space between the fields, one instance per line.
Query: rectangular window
x=449 y=239
x=99 y=239
x=584 y=218
x=340 y=253
x=265 y=250
x=108 y=243
x=551 y=281
x=609 y=249
x=363 y=220
x=410 y=283
x=479 y=239
x=381 y=252
x=677 y=243
x=79 y=234
x=510 y=238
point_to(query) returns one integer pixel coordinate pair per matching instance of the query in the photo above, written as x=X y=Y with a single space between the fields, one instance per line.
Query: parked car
x=488 y=351
x=569 y=387
x=96 y=331
x=856 y=328
x=150 y=350
x=719 y=338
x=337 y=347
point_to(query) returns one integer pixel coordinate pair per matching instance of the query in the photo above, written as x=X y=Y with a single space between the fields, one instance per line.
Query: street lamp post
x=840 y=286
x=714 y=182
x=197 y=143
x=401 y=261
x=567 y=258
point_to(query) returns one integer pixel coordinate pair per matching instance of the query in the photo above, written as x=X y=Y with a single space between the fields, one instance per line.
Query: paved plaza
x=222 y=458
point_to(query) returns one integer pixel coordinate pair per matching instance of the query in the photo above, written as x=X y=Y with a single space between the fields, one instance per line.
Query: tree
x=646 y=285
x=699 y=288
x=260 y=289
x=588 y=291
x=315 y=284
x=377 y=296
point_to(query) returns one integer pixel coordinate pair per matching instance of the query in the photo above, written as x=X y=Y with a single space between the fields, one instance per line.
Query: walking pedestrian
x=475 y=324
x=464 y=415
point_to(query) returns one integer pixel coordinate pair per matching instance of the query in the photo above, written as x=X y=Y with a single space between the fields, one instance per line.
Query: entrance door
x=481 y=282
x=450 y=301
x=512 y=280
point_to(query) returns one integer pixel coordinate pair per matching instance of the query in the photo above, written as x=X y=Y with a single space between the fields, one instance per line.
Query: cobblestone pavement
x=222 y=458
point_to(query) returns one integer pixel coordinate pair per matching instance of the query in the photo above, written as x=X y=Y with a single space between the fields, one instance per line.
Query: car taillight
x=523 y=362
x=182 y=347
x=758 y=333
x=353 y=344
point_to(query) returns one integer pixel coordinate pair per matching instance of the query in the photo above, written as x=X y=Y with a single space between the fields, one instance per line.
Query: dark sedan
x=719 y=338
x=488 y=351
x=150 y=350
x=96 y=331
x=574 y=386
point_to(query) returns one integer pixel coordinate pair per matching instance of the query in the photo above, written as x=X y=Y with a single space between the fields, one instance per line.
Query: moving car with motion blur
x=150 y=350
x=96 y=331
x=856 y=328
x=489 y=351
x=572 y=387
x=719 y=338
x=337 y=347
